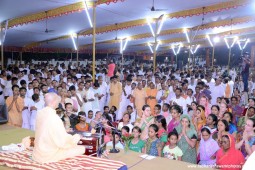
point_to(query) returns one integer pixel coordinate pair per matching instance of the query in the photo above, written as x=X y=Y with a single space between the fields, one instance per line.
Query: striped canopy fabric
x=23 y=160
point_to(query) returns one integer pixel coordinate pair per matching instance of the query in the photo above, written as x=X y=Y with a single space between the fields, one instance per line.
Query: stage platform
x=10 y=134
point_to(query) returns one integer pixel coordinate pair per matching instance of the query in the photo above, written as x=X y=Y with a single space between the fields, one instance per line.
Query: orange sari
x=152 y=102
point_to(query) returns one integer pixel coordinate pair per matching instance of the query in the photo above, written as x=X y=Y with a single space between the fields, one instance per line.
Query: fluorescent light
x=247 y=41
x=209 y=39
x=235 y=39
x=196 y=48
x=179 y=49
x=125 y=45
x=226 y=41
x=161 y=23
x=187 y=36
x=191 y=49
x=239 y=44
x=157 y=46
x=150 y=47
x=87 y=12
x=149 y=23
x=72 y=36
x=216 y=40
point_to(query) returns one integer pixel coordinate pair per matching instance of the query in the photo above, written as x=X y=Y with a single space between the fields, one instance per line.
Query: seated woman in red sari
x=228 y=158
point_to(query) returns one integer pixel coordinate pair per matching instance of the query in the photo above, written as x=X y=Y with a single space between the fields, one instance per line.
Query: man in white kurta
x=52 y=143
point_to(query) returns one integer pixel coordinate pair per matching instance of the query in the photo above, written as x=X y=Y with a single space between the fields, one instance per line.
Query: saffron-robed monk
x=52 y=142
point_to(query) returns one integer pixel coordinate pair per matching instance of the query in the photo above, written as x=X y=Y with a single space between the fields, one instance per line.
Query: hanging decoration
x=57 y=12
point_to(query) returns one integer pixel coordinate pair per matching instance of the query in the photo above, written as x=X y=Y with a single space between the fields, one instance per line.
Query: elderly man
x=52 y=143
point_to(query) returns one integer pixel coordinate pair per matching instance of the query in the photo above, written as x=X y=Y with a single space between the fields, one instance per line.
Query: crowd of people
x=196 y=115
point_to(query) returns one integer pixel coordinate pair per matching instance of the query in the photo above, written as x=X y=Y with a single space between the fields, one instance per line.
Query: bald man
x=52 y=143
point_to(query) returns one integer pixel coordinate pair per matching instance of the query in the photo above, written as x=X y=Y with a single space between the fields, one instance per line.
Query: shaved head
x=52 y=100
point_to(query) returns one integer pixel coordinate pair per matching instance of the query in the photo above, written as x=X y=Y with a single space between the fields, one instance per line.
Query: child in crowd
x=153 y=145
x=207 y=148
x=117 y=142
x=90 y=116
x=172 y=151
x=36 y=105
x=136 y=144
x=82 y=125
x=132 y=113
x=112 y=113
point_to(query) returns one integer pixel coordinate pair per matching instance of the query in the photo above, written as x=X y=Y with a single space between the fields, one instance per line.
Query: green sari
x=189 y=154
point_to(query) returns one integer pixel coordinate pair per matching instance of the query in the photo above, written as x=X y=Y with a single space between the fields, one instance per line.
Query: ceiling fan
x=46 y=24
x=116 y=37
x=155 y=9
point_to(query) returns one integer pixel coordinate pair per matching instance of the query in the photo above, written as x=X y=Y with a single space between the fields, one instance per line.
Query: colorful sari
x=206 y=150
x=144 y=127
x=172 y=124
x=230 y=158
x=152 y=147
x=189 y=153
x=162 y=134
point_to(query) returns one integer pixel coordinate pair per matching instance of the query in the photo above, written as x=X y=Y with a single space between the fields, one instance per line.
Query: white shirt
x=181 y=102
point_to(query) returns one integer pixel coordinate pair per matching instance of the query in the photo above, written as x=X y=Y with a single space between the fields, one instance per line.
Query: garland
x=57 y=12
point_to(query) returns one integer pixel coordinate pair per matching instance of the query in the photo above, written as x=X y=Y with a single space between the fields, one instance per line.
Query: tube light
x=87 y=13
x=235 y=39
x=125 y=45
x=245 y=44
x=187 y=36
x=149 y=23
x=150 y=47
x=209 y=39
x=226 y=41
x=74 y=44
x=161 y=23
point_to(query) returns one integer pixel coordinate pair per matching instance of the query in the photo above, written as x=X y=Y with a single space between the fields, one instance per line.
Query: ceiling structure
x=118 y=19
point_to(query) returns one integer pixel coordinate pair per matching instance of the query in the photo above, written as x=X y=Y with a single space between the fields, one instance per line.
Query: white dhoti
x=26 y=119
x=32 y=119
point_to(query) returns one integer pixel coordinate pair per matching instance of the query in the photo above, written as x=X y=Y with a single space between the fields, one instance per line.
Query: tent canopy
x=118 y=19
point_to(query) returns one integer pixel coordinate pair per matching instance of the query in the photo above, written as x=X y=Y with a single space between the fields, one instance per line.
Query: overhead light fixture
x=149 y=23
x=216 y=39
x=87 y=13
x=122 y=48
x=161 y=23
x=196 y=48
x=187 y=35
x=178 y=50
x=243 y=41
x=234 y=39
x=157 y=45
x=149 y=45
x=209 y=39
x=72 y=35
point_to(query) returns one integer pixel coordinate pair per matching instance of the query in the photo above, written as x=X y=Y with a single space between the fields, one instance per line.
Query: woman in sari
x=207 y=148
x=160 y=121
x=232 y=128
x=151 y=97
x=176 y=113
x=228 y=158
x=250 y=113
x=145 y=121
x=199 y=119
x=187 y=139
x=247 y=143
x=205 y=102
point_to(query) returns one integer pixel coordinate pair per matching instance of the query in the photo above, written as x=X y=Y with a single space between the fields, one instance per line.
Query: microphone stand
x=113 y=150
